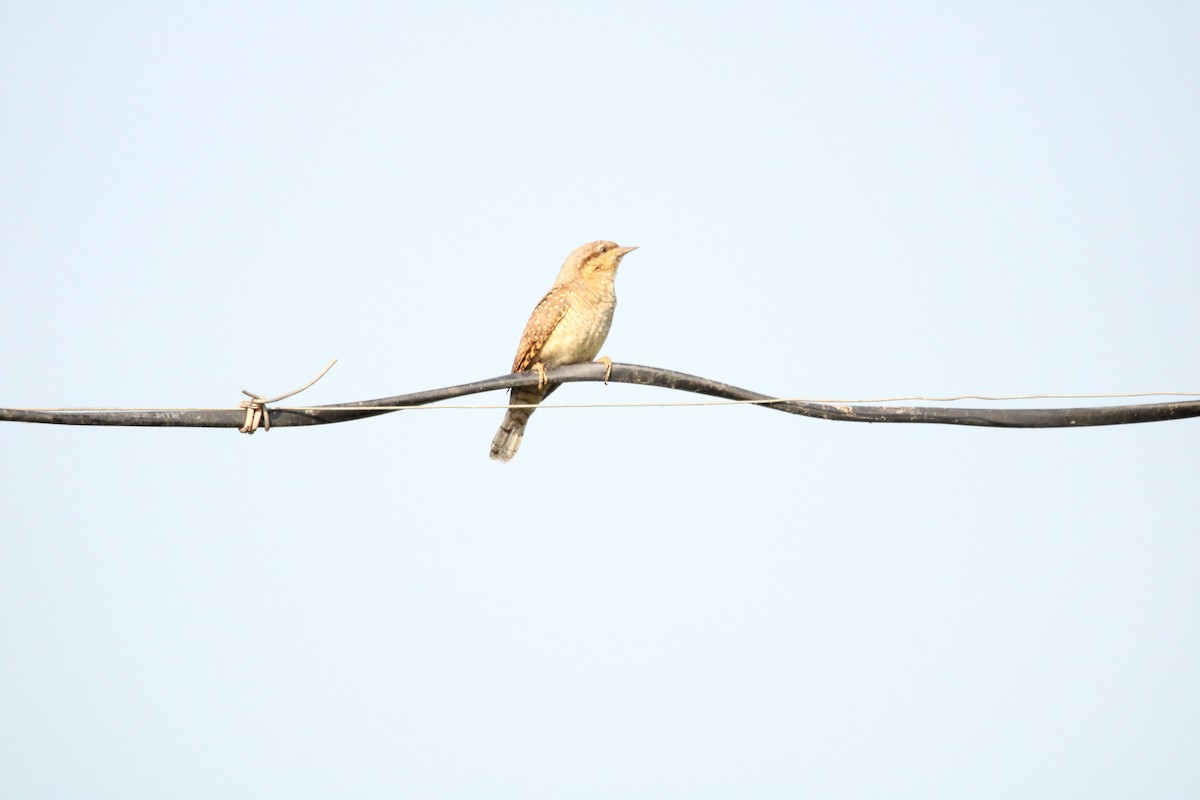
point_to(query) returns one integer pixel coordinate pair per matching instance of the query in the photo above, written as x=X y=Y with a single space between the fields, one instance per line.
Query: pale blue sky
x=722 y=602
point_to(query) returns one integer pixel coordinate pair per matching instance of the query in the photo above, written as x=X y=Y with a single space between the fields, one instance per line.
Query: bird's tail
x=507 y=440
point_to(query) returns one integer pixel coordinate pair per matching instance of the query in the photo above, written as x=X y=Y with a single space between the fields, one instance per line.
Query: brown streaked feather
x=542 y=322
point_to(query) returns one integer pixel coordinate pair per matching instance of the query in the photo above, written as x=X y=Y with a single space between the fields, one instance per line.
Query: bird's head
x=592 y=258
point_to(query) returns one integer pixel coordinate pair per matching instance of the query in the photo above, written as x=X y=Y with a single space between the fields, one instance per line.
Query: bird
x=568 y=326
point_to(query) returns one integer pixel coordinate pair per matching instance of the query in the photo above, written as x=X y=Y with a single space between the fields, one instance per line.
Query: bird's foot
x=607 y=362
x=541 y=371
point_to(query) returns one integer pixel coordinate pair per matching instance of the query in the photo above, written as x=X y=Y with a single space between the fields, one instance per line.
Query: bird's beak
x=624 y=251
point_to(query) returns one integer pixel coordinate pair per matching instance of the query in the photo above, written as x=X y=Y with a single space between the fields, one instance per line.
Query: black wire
x=635 y=374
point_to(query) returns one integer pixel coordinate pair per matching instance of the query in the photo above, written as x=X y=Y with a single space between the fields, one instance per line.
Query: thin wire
x=258 y=398
x=764 y=401
x=678 y=404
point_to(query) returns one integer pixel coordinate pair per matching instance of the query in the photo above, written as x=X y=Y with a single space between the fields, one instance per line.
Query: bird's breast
x=581 y=333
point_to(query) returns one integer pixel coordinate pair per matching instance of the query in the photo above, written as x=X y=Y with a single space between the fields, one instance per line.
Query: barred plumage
x=568 y=326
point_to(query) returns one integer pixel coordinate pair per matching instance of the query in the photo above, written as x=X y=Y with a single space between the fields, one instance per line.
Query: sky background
x=850 y=201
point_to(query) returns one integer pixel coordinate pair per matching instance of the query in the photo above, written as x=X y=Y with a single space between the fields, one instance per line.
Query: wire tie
x=256 y=406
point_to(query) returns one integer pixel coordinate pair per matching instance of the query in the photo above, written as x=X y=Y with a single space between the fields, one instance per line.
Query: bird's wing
x=542 y=322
